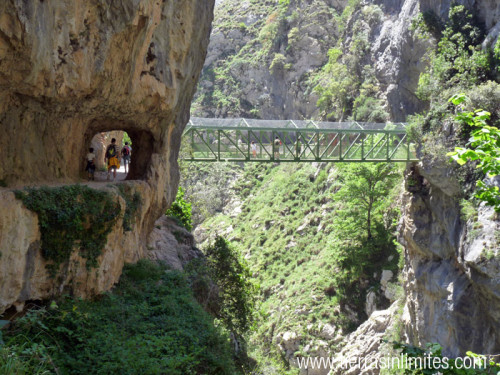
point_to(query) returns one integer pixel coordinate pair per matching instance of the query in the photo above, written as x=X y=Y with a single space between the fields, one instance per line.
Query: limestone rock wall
x=303 y=40
x=452 y=266
x=171 y=244
x=23 y=271
x=279 y=94
x=70 y=69
x=398 y=54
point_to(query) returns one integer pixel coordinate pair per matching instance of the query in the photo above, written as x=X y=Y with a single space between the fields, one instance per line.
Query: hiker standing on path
x=126 y=151
x=254 y=149
x=112 y=157
x=90 y=168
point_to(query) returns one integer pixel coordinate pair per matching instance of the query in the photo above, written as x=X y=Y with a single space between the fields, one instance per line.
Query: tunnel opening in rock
x=140 y=143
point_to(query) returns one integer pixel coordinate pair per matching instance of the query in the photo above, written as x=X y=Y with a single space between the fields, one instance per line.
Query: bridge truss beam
x=234 y=144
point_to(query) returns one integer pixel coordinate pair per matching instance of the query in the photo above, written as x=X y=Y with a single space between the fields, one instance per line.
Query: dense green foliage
x=364 y=187
x=181 y=210
x=307 y=246
x=150 y=324
x=363 y=240
x=236 y=291
x=458 y=64
x=430 y=361
x=347 y=85
x=484 y=148
x=458 y=60
x=126 y=138
x=133 y=202
x=71 y=217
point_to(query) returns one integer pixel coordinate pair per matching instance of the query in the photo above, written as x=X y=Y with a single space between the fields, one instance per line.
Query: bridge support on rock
x=296 y=141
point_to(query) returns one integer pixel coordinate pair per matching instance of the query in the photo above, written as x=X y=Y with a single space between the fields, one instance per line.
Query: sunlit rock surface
x=70 y=69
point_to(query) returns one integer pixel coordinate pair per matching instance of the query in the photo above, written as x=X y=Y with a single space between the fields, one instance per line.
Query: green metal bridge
x=249 y=140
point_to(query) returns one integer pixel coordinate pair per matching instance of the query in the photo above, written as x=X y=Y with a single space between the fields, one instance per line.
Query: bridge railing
x=352 y=143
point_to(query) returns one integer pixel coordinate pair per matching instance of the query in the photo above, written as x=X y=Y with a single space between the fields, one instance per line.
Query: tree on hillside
x=364 y=240
x=365 y=185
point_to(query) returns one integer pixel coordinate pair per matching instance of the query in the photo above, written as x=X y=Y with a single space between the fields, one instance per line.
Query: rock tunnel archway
x=143 y=144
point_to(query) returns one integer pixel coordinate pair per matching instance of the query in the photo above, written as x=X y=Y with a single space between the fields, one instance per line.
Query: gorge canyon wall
x=70 y=69
x=451 y=264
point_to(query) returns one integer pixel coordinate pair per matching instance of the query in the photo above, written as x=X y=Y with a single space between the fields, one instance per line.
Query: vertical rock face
x=70 y=69
x=452 y=271
x=243 y=48
x=248 y=75
x=399 y=55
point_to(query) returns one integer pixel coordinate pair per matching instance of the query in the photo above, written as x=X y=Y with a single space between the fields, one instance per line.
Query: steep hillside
x=261 y=54
x=381 y=60
x=320 y=273
x=270 y=59
x=151 y=304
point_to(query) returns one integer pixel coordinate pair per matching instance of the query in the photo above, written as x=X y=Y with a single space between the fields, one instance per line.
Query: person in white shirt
x=90 y=168
x=254 y=149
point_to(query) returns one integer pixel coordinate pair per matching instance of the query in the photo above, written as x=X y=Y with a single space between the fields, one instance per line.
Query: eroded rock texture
x=252 y=88
x=23 y=272
x=452 y=266
x=70 y=69
x=171 y=244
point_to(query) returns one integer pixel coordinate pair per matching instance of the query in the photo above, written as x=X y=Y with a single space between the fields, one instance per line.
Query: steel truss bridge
x=212 y=139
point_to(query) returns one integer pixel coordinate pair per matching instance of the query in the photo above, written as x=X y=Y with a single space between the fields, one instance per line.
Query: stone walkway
x=120 y=175
x=100 y=178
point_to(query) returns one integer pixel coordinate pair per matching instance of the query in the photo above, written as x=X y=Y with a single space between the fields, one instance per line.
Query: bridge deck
x=296 y=141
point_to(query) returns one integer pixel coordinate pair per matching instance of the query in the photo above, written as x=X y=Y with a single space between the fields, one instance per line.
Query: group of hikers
x=112 y=157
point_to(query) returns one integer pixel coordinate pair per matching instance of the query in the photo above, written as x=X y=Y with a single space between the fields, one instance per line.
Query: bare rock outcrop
x=70 y=69
x=171 y=244
x=452 y=266
x=363 y=350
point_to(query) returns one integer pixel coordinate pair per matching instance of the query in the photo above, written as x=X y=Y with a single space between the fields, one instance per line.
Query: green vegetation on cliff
x=69 y=217
x=261 y=53
x=180 y=210
x=316 y=239
x=460 y=64
x=484 y=149
x=291 y=59
x=347 y=85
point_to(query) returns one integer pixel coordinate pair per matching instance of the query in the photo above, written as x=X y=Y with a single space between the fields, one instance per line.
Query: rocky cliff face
x=237 y=78
x=70 y=69
x=264 y=59
x=452 y=271
x=23 y=269
x=260 y=65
